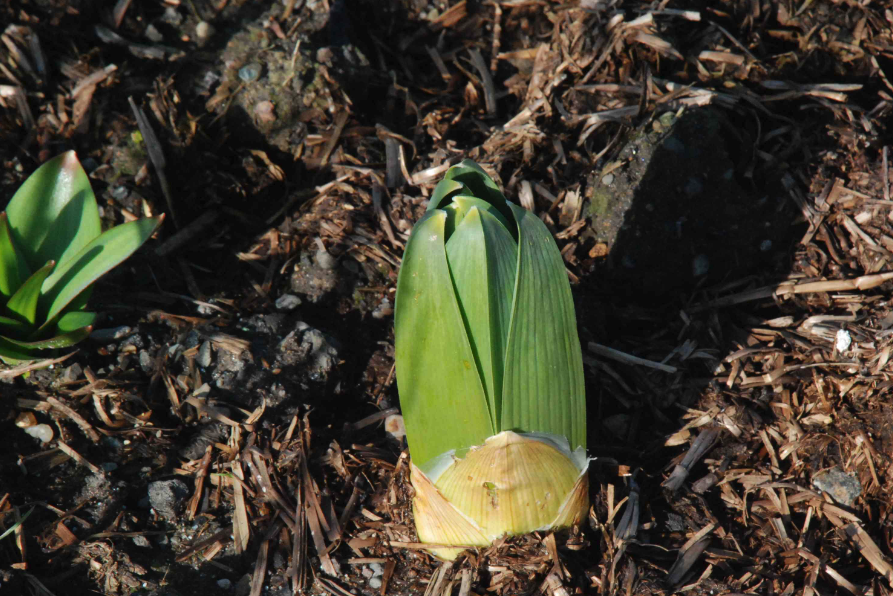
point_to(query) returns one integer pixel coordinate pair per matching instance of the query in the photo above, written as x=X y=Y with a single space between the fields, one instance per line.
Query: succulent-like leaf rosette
x=489 y=369
x=52 y=249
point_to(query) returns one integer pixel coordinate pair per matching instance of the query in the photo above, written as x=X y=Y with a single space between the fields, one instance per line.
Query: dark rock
x=842 y=487
x=288 y=302
x=675 y=207
x=207 y=434
x=111 y=333
x=310 y=347
x=97 y=490
x=312 y=280
x=167 y=496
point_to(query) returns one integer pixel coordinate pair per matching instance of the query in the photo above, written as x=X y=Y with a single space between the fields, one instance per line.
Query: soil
x=242 y=373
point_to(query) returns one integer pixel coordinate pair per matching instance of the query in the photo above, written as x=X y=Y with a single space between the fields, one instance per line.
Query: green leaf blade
x=482 y=256
x=53 y=215
x=543 y=387
x=74 y=320
x=92 y=262
x=62 y=340
x=13 y=269
x=23 y=304
x=441 y=394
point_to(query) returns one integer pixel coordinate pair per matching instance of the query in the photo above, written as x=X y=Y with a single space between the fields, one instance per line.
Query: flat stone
x=842 y=487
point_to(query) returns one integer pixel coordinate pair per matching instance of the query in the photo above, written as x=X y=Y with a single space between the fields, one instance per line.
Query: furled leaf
x=53 y=215
x=478 y=184
x=13 y=269
x=460 y=205
x=441 y=394
x=543 y=387
x=93 y=261
x=443 y=192
x=23 y=304
x=482 y=256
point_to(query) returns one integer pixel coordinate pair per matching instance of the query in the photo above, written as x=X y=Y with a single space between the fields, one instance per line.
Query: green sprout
x=52 y=250
x=489 y=369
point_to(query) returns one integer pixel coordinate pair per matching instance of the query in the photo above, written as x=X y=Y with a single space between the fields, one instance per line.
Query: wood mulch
x=744 y=430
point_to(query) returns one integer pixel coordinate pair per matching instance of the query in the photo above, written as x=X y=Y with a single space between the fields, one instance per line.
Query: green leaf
x=73 y=320
x=13 y=269
x=14 y=327
x=482 y=256
x=459 y=208
x=94 y=260
x=543 y=387
x=62 y=340
x=443 y=192
x=478 y=184
x=10 y=353
x=441 y=394
x=53 y=215
x=24 y=302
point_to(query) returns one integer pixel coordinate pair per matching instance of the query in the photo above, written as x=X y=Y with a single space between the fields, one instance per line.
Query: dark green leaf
x=14 y=327
x=94 y=260
x=543 y=389
x=442 y=194
x=441 y=394
x=53 y=215
x=23 y=304
x=13 y=269
x=75 y=320
x=62 y=340
x=10 y=353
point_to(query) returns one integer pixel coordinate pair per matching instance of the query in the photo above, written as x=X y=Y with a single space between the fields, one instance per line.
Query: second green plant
x=52 y=250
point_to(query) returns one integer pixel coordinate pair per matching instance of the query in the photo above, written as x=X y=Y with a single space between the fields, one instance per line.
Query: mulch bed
x=741 y=425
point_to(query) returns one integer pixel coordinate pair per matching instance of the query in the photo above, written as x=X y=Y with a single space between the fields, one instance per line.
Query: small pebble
x=608 y=179
x=265 y=111
x=250 y=72
x=153 y=34
x=375 y=583
x=376 y=568
x=766 y=245
x=203 y=31
x=288 y=302
x=393 y=425
x=843 y=340
x=324 y=55
x=323 y=258
x=172 y=16
x=142 y=541
x=224 y=584
x=109 y=466
x=384 y=309
x=120 y=192
x=111 y=333
x=204 y=355
x=146 y=362
x=43 y=432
